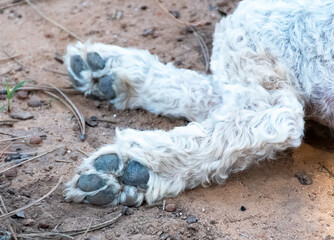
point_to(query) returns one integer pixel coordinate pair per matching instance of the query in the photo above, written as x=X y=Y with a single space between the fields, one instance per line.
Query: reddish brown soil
x=277 y=205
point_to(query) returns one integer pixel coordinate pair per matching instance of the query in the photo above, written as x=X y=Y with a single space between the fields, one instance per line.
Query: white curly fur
x=270 y=64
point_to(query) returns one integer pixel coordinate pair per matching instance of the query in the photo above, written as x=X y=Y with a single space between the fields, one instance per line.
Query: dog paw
x=105 y=179
x=91 y=72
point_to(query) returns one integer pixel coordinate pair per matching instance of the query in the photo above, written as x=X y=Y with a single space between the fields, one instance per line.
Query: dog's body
x=270 y=65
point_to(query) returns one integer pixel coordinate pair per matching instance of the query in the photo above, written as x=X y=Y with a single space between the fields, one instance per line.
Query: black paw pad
x=95 y=61
x=90 y=182
x=104 y=197
x=78 y=65
x=107 y=163
x=105 y=86
x=136 y=174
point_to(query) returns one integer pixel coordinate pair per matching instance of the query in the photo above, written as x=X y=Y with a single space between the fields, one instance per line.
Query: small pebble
x=43 y=225
x=22 y=94
x=148 y=32
x=20 y=214
x=34 y=102
x=11 y=173
x=191 y=219
x=176 y=14
x=28 y=222
x=242 y=208
x=163 y=236
x=21 y=115
x=304 y=178
x=129 y=211
x=170 y=207
x=35 y=140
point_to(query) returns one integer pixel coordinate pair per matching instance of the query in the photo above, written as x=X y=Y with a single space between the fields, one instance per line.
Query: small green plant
x=10 y=94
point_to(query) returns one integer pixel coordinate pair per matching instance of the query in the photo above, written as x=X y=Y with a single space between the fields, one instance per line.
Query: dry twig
x=3 y=210
x=25 y=160
x=69 y=234
x=32 y=203
x=76 y=112
x=55 y=71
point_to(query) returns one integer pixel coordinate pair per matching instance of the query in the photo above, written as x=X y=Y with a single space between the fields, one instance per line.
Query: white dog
x=272 y=65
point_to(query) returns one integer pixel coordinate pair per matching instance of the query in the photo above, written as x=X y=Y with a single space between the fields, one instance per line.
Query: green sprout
x=10 y=94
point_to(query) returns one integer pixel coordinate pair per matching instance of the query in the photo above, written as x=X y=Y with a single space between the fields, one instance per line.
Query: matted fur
x=269 y=65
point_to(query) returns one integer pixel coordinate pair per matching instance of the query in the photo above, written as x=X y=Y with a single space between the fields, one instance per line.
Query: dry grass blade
x=94 y=227
x=198 y=37
x=45 y=235
x=25 y=160
x=55 y=71
x=8 y=134
x=3 y=210
x=81 y=151
x=32 y=203
x=50 y=89
x=5 y=150
x=53 y=22
x=69 y=234
x=12 y=139
x=80 y=118
x=9 y=58
x=85 y=233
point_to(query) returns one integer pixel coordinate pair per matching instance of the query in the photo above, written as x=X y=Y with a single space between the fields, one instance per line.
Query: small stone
x=34 y=102
x=213 y=222
x=304 y=178
x=242 y=208
x=43 y=225
x=144 y=7
x=35 y=140
x=129 y=211
x=21 y=115
x=20 y=214
x=176 y=14
x=329 y=237
x=164 y=236
x=148 y=32
x=92 y=121
x=170 y=207
x=11 y=173
x=28 y=222
x=191 y=219
x=22 y=94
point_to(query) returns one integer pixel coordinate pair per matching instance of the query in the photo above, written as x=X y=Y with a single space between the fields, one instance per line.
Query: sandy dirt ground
x=276 y=205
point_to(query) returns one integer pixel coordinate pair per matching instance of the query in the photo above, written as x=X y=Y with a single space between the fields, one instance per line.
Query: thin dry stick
x=12 y=139
x=54 y=71
x=68 y=234
x=8 y=134
x=85 y=233
x=53 y=22
x=81 y=151
x=79 y=116
x=9 y=58
x=25 y=160
x=4 y=211
x=5 y=150
x=45 y=88
x=45 y=235
x=8 y=55
x=32 y=203
x=198 y=37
